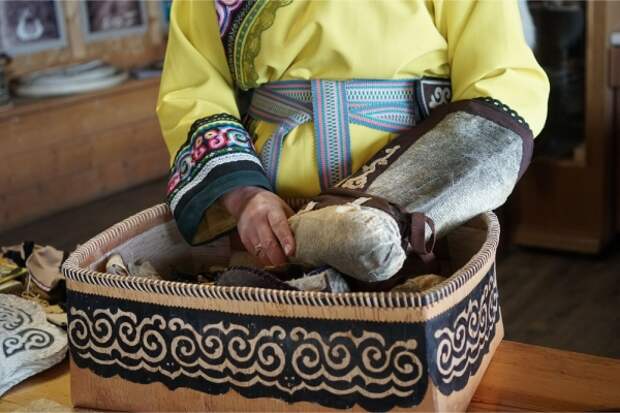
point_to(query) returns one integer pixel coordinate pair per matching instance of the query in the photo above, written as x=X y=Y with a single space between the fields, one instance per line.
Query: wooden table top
x=520 y=377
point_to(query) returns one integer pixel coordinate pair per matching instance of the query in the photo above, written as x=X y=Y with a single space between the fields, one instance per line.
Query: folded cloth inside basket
x=285 y=278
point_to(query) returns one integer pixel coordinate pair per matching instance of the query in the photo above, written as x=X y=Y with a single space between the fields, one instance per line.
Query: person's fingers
x=256 y=248
x=249 y=239
x=264 y=230
x=279 y=225
x=288 y=211
x=270 y=246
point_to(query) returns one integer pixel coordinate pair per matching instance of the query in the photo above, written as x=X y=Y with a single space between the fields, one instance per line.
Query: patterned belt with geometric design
x=387 y=105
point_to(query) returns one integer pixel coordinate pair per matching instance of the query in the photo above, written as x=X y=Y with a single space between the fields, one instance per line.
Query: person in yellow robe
x=263 y=103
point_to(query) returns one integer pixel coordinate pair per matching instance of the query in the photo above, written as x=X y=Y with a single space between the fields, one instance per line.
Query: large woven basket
x=140 y=344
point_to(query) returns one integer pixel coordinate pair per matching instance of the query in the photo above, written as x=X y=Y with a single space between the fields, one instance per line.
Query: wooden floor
x=562 y=300
x=559 y=300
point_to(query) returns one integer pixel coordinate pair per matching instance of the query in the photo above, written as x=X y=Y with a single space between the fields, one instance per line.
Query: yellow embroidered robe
x=216 y=49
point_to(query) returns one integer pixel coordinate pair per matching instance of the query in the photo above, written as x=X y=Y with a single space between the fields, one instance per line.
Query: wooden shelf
x=63 y=151
x=23 y=106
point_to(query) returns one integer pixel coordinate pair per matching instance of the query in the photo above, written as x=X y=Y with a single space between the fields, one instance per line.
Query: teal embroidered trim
x=241 y=32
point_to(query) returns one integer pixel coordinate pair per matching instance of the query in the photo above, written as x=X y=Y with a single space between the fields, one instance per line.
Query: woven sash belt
x=387 y=105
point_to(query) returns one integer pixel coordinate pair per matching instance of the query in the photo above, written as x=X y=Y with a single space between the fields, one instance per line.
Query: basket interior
x=163 y=246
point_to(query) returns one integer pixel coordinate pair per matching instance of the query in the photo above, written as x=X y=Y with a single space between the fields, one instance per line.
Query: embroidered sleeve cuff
x=217 y=157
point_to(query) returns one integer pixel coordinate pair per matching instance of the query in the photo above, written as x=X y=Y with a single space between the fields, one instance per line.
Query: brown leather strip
x=526 y=156
x=412 y=226
x=502 y=118
x=430 y=244
x=418 y=234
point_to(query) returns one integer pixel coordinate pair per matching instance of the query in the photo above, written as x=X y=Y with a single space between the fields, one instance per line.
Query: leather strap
x=412 y=226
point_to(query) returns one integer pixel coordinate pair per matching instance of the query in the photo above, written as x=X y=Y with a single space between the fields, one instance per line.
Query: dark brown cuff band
x=503 y=115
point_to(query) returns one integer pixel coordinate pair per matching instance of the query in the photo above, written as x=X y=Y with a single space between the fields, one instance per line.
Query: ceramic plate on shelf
x=56 y=87
x=101 y=72
x=63 y=71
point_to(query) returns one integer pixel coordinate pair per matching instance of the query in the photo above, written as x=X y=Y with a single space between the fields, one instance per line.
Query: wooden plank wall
x=58 y=153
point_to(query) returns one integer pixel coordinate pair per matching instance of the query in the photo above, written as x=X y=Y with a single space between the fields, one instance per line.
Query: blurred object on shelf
x=166 y=6
x=148 y=71
x=122 y=33
x=560 y=49
x=566 y=198
x=68 y=80
x=5 y=97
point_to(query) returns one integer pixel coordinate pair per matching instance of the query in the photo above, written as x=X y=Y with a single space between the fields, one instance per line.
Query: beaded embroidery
x=209 y=139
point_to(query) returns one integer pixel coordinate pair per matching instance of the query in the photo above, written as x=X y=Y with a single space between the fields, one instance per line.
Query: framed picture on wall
x=105 y=19
x=30 y=26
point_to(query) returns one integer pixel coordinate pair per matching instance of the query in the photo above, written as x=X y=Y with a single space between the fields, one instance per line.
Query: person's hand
x=262 y=223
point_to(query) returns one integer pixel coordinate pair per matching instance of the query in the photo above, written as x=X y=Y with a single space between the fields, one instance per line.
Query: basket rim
x=73 y=271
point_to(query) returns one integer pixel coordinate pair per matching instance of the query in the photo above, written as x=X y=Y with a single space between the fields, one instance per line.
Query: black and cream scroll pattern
x=26 y=339
x=336 y=363
x=13 y=318
x=460 y=341
x=332 y=362
x=22 y=336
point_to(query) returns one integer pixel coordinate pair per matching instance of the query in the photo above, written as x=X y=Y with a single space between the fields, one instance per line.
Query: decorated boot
x=464 y=159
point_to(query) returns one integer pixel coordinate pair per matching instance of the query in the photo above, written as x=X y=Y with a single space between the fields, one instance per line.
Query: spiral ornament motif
x=461 y=343
x=336 y=363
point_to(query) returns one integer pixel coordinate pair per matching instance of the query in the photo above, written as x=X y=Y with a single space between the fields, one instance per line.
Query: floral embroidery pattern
x=225 y=12
x=208 y=138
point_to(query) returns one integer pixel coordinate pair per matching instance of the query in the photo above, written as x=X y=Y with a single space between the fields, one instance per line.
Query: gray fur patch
x=464 y=166
x=359 y=241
